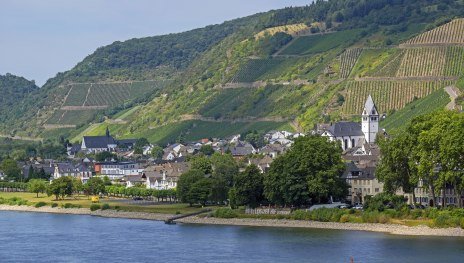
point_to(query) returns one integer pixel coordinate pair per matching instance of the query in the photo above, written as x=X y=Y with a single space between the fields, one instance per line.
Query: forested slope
x=298 y=65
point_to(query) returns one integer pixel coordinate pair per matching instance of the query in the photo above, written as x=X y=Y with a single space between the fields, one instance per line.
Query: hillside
x=290 y=67
x=15 y=90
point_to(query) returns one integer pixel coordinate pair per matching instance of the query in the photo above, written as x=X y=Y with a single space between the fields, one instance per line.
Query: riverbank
x=394 y=229
x=86 y=211
x=372 y=227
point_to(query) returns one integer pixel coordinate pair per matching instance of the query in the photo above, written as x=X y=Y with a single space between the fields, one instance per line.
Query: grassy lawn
x=83 y=201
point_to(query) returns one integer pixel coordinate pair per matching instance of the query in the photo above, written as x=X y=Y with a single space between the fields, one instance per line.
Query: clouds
x=42 y=38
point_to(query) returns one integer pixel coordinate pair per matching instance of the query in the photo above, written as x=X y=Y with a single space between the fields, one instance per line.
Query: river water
x=37 y=237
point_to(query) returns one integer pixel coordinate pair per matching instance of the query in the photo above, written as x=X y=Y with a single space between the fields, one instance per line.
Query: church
x=353 y=134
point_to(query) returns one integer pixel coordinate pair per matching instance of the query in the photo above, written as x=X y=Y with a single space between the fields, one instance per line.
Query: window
x=376 y=190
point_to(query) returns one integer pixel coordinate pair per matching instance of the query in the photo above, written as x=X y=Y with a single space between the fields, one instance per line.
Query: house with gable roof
x=95 y=144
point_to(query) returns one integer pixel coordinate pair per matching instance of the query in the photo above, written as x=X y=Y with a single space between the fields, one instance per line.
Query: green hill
x=299 y=66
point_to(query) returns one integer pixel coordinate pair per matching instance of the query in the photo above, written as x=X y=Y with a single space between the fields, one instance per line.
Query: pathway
x=453 y=92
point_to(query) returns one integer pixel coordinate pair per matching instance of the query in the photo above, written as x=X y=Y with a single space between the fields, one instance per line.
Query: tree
x=103 y=156
x=255 y=139
x=201 y=163
x=200 y=191
x=397 y=169
x=106 y=180
x=77 y=185
x=61 y=187
x=249 y=186
x=37 y=186
x=157 y=152
x=94 y=186
x=11 y=169
x=309 y=172
x=224 y=166
x=207 y=150
x=185 y=183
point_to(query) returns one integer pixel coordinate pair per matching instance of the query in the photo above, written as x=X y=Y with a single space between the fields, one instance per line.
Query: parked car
x=358 y=207
x=345 y=206
x=137 y=198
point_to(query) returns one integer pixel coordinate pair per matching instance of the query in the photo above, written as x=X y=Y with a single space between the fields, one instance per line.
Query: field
x=309 y=45
x=454 y=61
x=348 y=60
x=102 y=95
x=84 y=202
x=451 y=33
x=399 y=119
x=109 y=94
x=261 y=102
x=65 y=117
x=387 y=95
x=263 y=69
x=380 y=62
x=293 y=29
x=423 y=62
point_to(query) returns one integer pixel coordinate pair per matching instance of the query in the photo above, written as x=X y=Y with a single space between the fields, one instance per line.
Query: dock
x=171 y=221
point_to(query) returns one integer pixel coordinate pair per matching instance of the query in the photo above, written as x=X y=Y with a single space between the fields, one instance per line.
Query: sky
x=38 y=39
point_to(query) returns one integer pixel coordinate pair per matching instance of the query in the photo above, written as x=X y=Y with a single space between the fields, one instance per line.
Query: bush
x=94 y=207
x=54 y=205
x=69 y=205
x=40 y=204
x=117 y=207
x=445 y=219
x=225 y=213
x=15 y=201
x=345 y=218
x=105 y=206
x=383 y=201
x=326 y=214
x=301 y=215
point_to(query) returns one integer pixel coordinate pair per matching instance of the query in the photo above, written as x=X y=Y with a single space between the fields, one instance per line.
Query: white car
x=358 y=207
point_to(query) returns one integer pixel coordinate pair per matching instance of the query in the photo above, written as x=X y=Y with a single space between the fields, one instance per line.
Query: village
x=137 y=163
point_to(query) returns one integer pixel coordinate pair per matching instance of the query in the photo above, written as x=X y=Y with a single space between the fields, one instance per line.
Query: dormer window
x=373 y=112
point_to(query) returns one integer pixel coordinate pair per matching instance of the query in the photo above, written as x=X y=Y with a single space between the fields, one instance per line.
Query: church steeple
x=370 y=120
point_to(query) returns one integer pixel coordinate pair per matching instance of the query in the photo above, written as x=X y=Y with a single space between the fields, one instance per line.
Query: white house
x=117 y=170
x=352 y=134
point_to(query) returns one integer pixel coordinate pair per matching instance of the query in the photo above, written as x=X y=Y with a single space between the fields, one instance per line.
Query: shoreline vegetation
x=395 y=229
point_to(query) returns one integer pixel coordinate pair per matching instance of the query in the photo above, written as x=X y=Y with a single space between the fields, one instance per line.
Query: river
x=37 y=237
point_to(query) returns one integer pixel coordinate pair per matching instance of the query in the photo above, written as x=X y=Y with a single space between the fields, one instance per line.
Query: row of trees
x=67 y=186
x=430 y=151
x=122 y=191
x=310 y=172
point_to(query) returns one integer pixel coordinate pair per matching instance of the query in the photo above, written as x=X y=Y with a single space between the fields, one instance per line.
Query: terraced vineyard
x=65 y=117
x=423 y=62
x=454 y=61
x=262 y=102
x=390 y=67
x=308 y=45
x=84 y=100
x=348 y=60
x=450 y=33
x=261 y=69
x=387 y=95
x=398 y=120
x=109 y=94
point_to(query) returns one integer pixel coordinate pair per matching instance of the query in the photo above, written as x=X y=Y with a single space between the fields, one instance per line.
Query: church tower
x=370 y=120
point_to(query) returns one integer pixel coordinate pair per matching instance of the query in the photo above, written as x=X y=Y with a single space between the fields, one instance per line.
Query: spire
x=107 y=132
x=369 y=107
